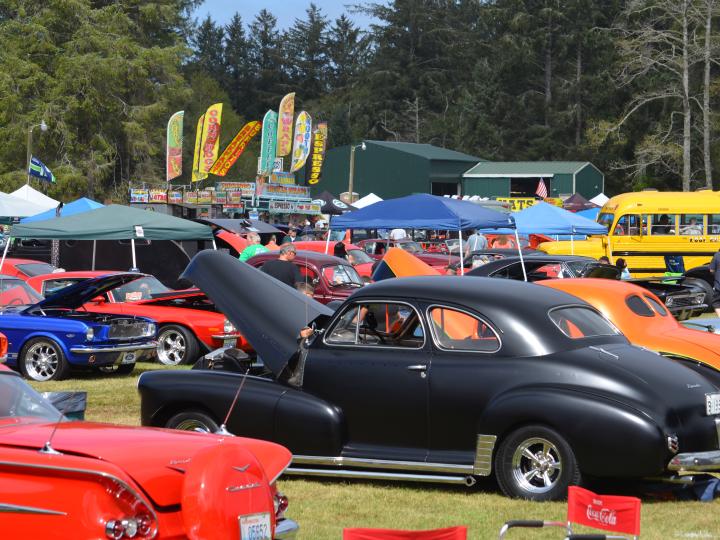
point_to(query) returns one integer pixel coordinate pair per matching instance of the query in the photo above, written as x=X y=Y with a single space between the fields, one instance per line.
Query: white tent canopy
x=16 y=207
x=367 y=200
x=600 y=200
x=30 y=194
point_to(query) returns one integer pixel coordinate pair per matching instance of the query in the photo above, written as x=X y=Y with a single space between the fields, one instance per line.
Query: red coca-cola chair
x=613 y=513
x=450 y=533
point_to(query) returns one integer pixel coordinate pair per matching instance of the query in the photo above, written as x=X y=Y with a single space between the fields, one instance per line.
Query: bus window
x=607 y=219
x=691 y=224
x=662 y=225
x=713 y=223
x=628 y=225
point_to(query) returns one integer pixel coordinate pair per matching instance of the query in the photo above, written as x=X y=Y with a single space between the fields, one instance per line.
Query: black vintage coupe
x=443 y=379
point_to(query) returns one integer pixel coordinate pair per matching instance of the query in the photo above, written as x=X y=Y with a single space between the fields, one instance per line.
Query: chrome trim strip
x=226 y=336
x=696 y=461
x=717 y=428
x=124 y=348
x=17 y=509
x=483 y=454
x=286 y=529
x=469 y=314
x=86 y=472
x=420 y=466
x=407 y=477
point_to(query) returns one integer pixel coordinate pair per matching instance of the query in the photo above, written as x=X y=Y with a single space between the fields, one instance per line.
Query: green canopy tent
x=113 y=222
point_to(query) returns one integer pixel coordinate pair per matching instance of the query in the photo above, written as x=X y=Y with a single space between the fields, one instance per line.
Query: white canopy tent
x=11 y=206
x=600 y=200
x=30 y=194
x=367 y=200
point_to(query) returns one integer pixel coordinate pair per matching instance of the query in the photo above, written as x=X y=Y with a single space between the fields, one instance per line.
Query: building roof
x=503 y=169
x=427 y=151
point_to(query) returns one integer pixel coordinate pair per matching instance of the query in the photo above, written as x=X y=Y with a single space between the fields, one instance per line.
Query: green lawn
x=324 y=507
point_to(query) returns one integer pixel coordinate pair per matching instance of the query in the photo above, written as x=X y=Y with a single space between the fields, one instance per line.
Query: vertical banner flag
x=174 y=145
x=317 y=156
x=196 y=174
x=285 y=121
x=39 y=170
x=211 y=138
x=268 y=143
x=301 y=141
x=236 y=147
x=541 y=190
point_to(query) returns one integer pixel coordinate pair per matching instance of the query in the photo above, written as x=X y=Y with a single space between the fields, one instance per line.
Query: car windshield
x=342 y=274
x=140 y=289
x=35 y=269
x=606 y=219
x=358 y=256
x=15 y=292
x=410 y=247
x=581 y=322
x=19 y=402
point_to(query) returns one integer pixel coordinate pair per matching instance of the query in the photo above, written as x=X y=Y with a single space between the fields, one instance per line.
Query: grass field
x=324 y=507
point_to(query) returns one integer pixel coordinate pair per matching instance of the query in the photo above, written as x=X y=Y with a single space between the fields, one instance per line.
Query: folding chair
x=612 y=513
x=450 y=533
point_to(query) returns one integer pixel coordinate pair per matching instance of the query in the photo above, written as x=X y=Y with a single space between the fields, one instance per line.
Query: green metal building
x=521 y=178
x=395 y=169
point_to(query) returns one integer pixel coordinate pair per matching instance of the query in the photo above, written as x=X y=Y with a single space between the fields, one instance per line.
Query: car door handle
x=417 y=367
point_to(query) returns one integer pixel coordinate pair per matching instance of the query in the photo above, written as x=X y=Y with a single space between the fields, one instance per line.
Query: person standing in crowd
x=475 y=242
x=291 y=236
x=339 y=250
x=622 y=266
x=283 y=268
x=272 y=243
x=604 y=260
x=398 y=234
x=715 y=271
x=503 y=241
x=254 y=247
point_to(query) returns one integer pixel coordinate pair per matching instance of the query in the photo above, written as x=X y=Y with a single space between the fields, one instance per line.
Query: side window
x=691 y=224
x=369 y=247
x=659 y=308
x=459 y=331
x=383 y=324
x=638 y=307
x=628 y=225
x=713 y=226
x=662 y=224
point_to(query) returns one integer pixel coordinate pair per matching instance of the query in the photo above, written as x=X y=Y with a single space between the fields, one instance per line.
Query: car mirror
x=98 y=300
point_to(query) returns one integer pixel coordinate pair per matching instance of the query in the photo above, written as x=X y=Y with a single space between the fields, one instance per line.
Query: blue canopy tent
x=75 y=207
x=423 y=211
x=590 y=213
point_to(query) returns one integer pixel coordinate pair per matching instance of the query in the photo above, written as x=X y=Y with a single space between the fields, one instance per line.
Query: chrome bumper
x=696 y=462
x=286 y=528
x=111 y=349
x=223 y=337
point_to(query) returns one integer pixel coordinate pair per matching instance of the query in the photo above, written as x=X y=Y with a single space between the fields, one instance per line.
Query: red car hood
x=155 y=459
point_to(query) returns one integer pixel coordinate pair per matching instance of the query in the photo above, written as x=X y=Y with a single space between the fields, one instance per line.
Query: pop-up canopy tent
x=600 y=199
x=367 y=200
x=30 y=194
x=590 y=213
x=332 y=205
x=70 y=209
x=113 y=222
x=242 y=226
x=577 y=202
x=11 y=207
x=423 y=211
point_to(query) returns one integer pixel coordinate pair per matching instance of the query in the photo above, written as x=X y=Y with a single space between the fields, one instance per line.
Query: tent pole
x=7 y=246
x=93 y=257
x=214 y=245
x=132 y=246
x=462 y=262
x=522 y=261
x=327 y=240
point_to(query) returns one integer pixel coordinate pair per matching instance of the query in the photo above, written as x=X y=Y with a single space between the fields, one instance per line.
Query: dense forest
x=630 y=85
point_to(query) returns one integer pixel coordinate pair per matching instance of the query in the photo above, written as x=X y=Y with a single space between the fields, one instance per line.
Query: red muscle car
x=25 y=268
x=73 y=479
x=188 y=323
x=376 y=248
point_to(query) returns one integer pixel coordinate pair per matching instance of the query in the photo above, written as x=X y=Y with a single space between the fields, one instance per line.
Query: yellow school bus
x=645 y=226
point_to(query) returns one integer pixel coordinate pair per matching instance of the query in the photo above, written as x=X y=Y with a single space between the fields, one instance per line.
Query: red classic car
x=73 y=479
x=332 y=278
x=25 y=268
x=376 y=247
x=361 y=261
x=188 y=323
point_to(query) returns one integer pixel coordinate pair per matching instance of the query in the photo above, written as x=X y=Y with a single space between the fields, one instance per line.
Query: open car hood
x=74 y=296
x=268 y=313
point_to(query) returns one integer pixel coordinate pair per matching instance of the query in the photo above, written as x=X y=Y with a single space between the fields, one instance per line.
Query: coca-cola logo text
x=604 y=516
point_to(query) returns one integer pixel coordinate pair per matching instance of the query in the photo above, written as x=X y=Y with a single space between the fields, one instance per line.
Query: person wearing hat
x=291 y=236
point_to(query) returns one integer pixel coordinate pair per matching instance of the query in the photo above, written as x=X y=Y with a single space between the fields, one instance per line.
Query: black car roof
x=315 y=257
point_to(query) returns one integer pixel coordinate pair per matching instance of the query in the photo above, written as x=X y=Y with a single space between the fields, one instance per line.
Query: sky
x=286 y=11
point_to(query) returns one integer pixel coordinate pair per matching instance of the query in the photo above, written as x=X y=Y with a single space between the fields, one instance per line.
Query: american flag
x=541 y=190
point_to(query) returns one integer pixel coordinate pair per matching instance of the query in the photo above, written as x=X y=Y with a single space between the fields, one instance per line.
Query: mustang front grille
x=125 y=329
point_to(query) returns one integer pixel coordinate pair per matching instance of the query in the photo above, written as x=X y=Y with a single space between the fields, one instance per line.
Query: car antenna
x=222 y=430
x=47 y=447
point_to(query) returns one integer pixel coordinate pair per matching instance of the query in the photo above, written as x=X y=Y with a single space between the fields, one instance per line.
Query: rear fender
x=608 y=438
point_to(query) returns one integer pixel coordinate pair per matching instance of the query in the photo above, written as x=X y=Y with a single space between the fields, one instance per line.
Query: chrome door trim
x=18 y=509
x=366 y=463
x=383 y=475
x=483 y=454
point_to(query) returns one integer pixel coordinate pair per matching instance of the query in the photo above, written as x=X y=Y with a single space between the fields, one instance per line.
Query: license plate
x=128 y=358
x=229 y=342
x=255 y=527
x=712 y=404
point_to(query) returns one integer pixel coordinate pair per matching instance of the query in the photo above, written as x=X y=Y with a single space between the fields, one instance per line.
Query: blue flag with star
x=40 y=171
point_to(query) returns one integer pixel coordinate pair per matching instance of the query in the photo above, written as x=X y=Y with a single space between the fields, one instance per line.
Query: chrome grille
x=682 y=300
x=127 y=329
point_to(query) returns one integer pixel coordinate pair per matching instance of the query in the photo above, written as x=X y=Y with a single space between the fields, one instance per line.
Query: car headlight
x=151 y=329
x=90 y=334
x=699 y=298
x=228 y=327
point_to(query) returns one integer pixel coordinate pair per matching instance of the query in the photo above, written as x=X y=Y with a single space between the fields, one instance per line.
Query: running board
x=381 y=475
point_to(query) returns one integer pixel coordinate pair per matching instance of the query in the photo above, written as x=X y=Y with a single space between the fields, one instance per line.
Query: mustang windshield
x=342 y=274
x=19 y=401
x=15 y=292
x=140 y=289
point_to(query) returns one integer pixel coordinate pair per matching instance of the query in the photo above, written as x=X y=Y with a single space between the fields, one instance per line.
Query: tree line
x=630 y=85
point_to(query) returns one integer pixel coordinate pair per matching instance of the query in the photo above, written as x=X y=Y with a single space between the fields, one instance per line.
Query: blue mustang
x=49 y=336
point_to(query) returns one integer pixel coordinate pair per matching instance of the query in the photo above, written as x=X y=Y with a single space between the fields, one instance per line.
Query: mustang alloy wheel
x=536 y=463
x=192 y=421
x=41 y=359
x=176 y=345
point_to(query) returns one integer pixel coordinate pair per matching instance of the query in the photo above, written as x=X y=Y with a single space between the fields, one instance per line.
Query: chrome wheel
x=536 y=465
x=171 y=347
x=42 y=361
x=192 y=424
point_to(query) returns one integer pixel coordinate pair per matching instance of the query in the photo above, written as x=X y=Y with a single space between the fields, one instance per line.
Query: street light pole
x=43 y=127
x=351 y=176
